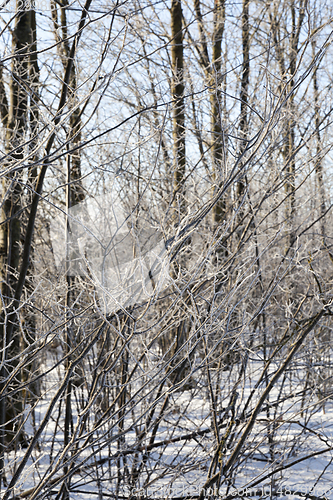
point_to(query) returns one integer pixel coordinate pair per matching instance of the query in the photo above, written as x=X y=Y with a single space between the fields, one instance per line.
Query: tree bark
x=214 y=81
x=14 y=115
x=244 y=98
x=319 y=152
x=74 y=195
x=289 y=153
x=178 y=87
x=218 y=146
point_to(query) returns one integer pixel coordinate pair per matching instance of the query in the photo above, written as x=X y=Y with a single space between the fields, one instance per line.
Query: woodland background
x=209 y=125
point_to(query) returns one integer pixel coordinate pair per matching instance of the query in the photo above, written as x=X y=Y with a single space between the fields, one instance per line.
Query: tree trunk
x=218 y=139
x=289 y=153
x=214 y=82
x=74 y=195
x=14 y=115
x=178 y=86
x=244 y=98
x=319 y=152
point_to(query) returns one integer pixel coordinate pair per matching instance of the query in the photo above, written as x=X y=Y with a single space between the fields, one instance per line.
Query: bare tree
x=175 y=353
x=178 y=88
x=15 y=119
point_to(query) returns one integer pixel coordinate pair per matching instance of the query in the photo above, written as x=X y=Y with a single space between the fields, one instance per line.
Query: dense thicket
x=165 y=248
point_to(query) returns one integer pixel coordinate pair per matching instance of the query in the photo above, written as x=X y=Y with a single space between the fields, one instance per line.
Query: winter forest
x=166 y=251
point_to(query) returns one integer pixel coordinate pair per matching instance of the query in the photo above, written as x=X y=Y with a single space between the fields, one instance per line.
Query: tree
x=178 y=88
x=181 y=341
x=15 y=118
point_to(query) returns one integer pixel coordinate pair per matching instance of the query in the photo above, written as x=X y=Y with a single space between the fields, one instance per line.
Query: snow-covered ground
x=289 y=451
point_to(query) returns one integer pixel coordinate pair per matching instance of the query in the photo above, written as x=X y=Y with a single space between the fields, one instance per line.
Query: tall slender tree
x=178 y=89
x=244 y=101
x=214 y=79
x=287 y=61
x=15 y=118
x=74 y=195
x=319 y=147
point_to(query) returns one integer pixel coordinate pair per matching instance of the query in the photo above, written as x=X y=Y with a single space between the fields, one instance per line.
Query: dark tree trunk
x=244 y=98
x=178 y=87
x=14 y=115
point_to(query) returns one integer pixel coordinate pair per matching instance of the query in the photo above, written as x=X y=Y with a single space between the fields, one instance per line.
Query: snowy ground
x=296 y=462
